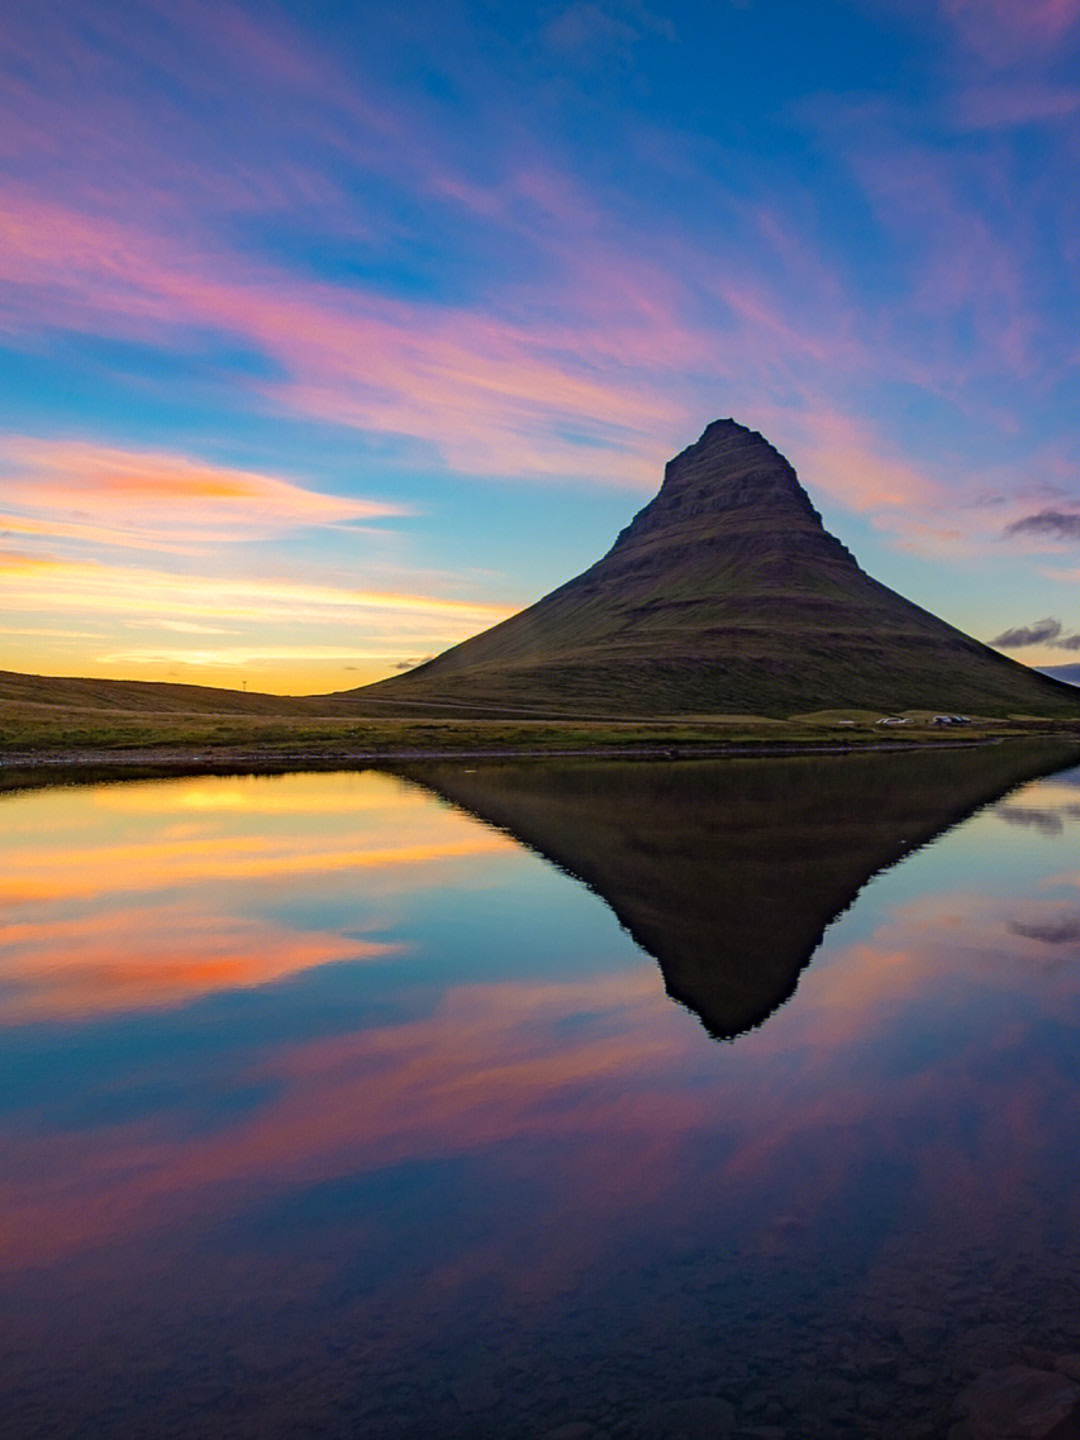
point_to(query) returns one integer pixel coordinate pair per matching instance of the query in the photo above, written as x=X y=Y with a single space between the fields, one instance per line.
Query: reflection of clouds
x=1063 y=785
x=1043 y=805
x=1046 y=822
x=590 y=1112
x=55 y=875
x=635 y=1115
x=151 y=957
x=1064 y=930
x=162 y=835
x=490 y=1067
x=304 y=796
x=967 y=940
x=82 y=937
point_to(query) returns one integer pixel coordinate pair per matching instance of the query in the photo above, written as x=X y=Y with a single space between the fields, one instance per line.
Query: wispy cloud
x=586 y=363
x=845 y=459
x=1001 y=31
x=383 y=623
x=481 y=389
x=1008 y=105
x=591 y=32
x=1040 y=633
x=148 y=499
x=1058 y=525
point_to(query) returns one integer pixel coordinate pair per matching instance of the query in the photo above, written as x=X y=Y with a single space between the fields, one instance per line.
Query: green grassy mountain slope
x=725 y=594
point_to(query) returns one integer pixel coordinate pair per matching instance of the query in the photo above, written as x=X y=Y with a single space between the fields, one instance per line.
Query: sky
x=332 y=334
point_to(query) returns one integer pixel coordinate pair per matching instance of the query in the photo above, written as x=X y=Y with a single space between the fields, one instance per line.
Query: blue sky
x=331 y=334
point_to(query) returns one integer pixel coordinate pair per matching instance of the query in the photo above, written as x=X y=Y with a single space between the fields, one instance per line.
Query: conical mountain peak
x=732 y=465
x=732 y=492
x=724 y=595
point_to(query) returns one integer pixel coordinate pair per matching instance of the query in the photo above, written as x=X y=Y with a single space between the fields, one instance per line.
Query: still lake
x=609 y=1099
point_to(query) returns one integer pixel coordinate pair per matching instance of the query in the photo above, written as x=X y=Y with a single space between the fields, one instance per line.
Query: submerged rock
x=574 y=1430
x=702 y=1417
x=1020 y=1403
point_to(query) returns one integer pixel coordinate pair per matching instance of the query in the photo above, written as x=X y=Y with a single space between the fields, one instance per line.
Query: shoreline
x=54 y=765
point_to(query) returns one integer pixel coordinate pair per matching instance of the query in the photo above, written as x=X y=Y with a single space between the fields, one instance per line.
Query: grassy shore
x=32 y=733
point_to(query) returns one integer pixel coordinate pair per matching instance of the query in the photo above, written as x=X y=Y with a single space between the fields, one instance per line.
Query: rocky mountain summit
x=724 y=595
x=730 y=494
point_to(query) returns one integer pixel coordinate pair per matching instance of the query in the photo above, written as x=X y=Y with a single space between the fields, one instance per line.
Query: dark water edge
x=784 y=1352
x=81 y=765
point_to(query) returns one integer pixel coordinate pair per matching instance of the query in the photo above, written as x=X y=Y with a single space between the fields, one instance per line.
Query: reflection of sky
x=431 y=1066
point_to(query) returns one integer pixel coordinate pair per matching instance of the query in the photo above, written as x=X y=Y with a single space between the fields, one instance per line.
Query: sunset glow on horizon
x=330 y=336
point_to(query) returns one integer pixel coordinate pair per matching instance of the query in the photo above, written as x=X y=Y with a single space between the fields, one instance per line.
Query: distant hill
x=156 y=697
x=725 y=594
x=1067 y=674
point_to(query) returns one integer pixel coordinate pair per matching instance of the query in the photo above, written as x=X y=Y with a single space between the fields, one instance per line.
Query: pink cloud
x=491 y=393
x=992 y=107
x=841 y=457
x=1003 y=31
x=594 y=359
x=456 y=378
x=600 y=346
x=962 y=263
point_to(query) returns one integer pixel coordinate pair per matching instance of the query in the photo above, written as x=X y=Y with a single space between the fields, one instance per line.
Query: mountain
x=729 y=874
x=724 y=595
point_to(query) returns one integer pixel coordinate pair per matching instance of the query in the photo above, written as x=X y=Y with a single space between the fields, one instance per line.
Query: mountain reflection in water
x=729 y=875
x=327 y=1109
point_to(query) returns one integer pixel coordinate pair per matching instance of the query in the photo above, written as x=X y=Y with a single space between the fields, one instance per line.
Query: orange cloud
x=149 y=498
x=57 y=873
x=153 y=958
x=42 y=584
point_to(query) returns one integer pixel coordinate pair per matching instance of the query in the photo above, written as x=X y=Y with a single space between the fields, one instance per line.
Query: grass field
x=36 y=730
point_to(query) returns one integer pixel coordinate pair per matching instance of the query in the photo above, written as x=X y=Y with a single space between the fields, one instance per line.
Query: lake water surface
x=521 y=1099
